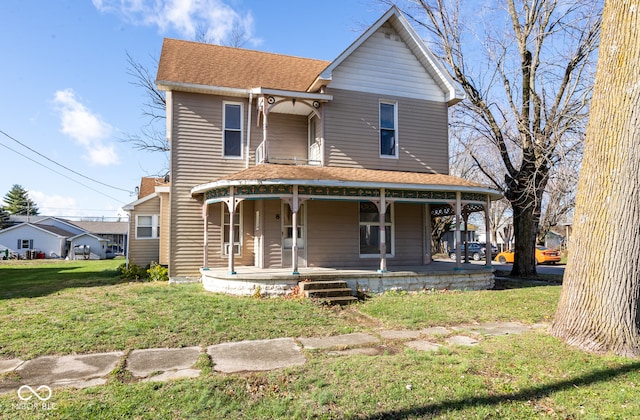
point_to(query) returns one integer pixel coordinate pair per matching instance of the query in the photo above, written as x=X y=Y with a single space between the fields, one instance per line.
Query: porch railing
x=314 y=157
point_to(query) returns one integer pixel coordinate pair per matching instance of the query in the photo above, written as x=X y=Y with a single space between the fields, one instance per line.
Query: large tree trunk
x=524 y=229
x=598 y=308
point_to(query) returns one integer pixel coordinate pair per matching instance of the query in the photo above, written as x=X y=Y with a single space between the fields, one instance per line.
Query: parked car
x=494 y=249
x=544 y=255
x=476 y=251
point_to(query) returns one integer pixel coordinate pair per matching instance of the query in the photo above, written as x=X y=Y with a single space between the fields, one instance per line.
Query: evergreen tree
x=4 y=218
x=18 y=202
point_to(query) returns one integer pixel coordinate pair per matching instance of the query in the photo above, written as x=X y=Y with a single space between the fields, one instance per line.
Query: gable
x=384 y=64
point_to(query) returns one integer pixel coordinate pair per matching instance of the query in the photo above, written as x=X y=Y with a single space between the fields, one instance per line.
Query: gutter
x=201 y=189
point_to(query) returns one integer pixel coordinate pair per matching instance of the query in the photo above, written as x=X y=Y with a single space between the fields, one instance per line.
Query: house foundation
x=439 y=275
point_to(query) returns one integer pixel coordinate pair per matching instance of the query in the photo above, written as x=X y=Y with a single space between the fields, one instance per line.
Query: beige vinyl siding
x=196 y=158
x=352 y=133
x=333 y=234
x=409 y=234
x=143 y=251
x=165 y=220
x=385 y=65
x=288 y=137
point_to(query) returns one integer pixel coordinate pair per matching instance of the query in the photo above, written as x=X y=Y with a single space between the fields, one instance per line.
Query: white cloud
x=86 y=128
x=189 y=18
x=54 y=205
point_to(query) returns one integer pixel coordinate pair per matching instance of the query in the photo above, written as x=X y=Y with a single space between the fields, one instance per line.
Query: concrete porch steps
x=331 y=291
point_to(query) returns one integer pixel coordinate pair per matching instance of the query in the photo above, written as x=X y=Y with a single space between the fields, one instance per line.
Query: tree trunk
x=598 y=308
x=524 y=228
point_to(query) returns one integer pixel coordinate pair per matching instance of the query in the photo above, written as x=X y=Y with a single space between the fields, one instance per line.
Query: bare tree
x=559 y=199
x=152 y=136
x=525 y=70
x=599 y=309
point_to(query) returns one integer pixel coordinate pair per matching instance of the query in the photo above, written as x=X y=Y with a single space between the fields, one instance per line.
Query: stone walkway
x=81 y=371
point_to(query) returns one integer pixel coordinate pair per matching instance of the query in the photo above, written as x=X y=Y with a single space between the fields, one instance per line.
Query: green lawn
x=69 y=307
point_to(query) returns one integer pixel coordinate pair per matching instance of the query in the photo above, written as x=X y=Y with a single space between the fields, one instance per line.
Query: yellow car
x=543 y=256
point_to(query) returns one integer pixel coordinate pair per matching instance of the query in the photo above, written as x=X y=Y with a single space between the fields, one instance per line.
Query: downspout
x=249 y=112
x=128 y=237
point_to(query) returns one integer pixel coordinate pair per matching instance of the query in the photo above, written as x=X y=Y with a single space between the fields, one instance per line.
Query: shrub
x=157 y=272
x=134 y=272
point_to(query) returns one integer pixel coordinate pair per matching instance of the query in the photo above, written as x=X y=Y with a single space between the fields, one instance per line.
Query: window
x=388 y=129
x=370 y=229
x=147 y=226
x=25 y=243
x=287 y=226
x=232 y=130
x=237 y=231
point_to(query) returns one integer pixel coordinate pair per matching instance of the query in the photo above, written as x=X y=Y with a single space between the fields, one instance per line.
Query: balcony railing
x=313 y=160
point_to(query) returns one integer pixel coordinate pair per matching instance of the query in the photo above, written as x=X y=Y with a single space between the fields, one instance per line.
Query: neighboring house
x=288 y=162
x=50 y=237
x=114 y=232
x=148 y=241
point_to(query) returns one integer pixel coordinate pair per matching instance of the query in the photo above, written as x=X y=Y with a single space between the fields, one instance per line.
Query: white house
x=51 y=237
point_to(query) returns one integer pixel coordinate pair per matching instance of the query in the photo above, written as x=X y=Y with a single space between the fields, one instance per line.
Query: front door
x=287 y=235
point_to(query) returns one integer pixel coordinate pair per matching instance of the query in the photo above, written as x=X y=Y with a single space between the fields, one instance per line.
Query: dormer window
x=388 y=129
x=232 y=130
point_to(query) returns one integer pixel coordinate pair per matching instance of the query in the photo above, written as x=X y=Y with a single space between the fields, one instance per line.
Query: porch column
x=383 y=232
x=457 y=235
x=465 y=217
x=205 y=250
x=265 y=112
x=231 y=205
x=487 y=228
x=426 y=257
x=295 y=206
x=322 y=158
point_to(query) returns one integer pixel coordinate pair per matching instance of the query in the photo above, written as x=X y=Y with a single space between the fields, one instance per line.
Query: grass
x=526 y=376
x=83 y=307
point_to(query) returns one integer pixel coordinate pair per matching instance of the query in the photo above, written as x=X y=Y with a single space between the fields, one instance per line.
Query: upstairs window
x=388 y=129
x=232 y=130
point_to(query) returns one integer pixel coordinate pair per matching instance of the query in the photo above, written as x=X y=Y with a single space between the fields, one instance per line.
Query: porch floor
x=440 y=274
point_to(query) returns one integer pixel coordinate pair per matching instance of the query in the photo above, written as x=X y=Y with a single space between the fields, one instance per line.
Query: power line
x=61 y=174
x=62 y=166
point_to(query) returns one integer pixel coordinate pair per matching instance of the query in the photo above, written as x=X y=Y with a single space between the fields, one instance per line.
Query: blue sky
x=67 y=101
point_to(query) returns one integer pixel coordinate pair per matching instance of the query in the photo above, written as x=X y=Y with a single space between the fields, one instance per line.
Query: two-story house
x=288 y=163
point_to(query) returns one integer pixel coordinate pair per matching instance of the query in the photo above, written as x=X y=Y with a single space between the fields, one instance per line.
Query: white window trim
x=395 y=127
x=155 y=224
x=302 y=228
x=238 y=241
x=224 y=128
x=390 y=208
x=29 y=243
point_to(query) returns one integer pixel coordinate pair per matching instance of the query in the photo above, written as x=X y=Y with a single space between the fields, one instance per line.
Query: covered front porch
x=371 y=228
x=437 y=275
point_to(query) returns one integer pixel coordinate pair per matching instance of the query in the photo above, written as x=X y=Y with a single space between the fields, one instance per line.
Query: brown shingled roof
x=148 y=186
x=215 y=65
x=266 y=172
